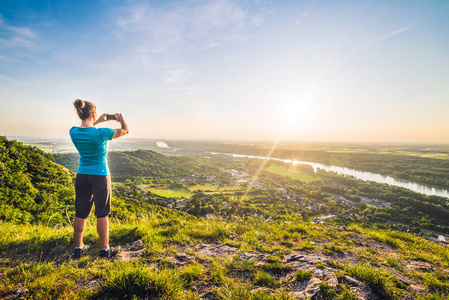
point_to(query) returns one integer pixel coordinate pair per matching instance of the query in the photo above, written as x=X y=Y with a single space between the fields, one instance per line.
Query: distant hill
x=32 y=187
x=127 y=165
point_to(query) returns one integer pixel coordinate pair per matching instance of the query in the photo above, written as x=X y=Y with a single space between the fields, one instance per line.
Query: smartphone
x=111 y=117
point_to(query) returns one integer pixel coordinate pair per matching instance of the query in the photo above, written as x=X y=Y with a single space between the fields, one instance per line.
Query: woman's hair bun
x=84 y=108
x=79 y=104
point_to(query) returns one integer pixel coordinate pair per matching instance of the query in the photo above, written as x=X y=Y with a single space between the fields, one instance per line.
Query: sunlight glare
x=297 y=114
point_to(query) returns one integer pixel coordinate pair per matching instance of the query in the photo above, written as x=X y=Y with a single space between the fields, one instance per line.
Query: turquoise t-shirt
x=92 y=145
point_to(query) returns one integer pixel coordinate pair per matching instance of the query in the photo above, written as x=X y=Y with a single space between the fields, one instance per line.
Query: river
x=414 y=186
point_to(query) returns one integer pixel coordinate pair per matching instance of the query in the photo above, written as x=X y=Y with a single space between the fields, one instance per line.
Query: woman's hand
x=102 y=118
x=122 y=131
x=119 y=118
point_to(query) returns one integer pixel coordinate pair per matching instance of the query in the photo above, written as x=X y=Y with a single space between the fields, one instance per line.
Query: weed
x=276 y=267
x=231 y=263
x=140 y=282
x=332 y=249
x=228 y=292
x=393 y=262
x=345 y=294
x=248 y=264
x=433 y=282
x=263 y=279
x=298 y=228
x=303 y=275
x=327 y=293
x=379 y=280
x=273 y=259
x=217 y=274
x=191 y=273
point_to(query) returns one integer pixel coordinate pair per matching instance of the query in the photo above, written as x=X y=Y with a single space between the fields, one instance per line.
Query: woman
x=93 y=182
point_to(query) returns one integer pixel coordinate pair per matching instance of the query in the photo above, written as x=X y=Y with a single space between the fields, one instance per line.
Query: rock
x=129 y=255
x=129 y=251
x=310 y=289
x=213 y=250
x=361 y=290
x=294 y=257
x=133 y=245
x=182 y=257
x=90 y=284
x=302 y=258
x=348 y=280
x=318 y=273
x=255 y=256
x=17 y=294
x=330 y=278
x=419 y=266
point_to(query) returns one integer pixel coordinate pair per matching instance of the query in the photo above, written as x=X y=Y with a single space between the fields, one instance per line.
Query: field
x=169 y=193
x=214 y=188
x=182 y=193
x=293 y=173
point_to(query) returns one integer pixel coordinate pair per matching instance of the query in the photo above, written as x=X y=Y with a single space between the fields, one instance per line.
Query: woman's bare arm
x=122 y=131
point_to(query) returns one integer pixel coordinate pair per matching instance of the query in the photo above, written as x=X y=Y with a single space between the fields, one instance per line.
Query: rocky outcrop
x=129 y=251
x=322 y=273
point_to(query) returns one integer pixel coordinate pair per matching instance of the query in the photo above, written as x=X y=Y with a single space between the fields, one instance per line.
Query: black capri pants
x=92 y=189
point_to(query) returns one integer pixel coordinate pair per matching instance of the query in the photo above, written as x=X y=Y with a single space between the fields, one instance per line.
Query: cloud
x=177 y=75
x=193 y=25
x=385 y=36
x=11 y=36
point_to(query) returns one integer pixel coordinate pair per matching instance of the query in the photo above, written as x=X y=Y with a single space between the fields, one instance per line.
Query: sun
x=298 y=113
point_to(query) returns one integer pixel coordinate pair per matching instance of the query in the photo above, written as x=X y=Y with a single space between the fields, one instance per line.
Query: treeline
x=145 y=163
x=419 y=169
x=409 y=207
x=32 y=187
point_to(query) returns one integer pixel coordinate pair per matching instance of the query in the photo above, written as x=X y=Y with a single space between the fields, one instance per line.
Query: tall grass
x=381 y=281
x=141 y=282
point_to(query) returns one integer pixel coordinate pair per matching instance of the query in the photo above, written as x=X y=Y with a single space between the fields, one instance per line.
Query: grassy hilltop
x=232 y=254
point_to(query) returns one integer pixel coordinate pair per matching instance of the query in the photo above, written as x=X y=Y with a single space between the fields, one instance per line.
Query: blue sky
x=252 y=70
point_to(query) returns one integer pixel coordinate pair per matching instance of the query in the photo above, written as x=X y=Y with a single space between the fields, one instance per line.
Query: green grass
x=385 y=283
x=293 y=173
x=138 y=281
x=191 y=273
x=214 y=188
x=35 y=257
x=264 y=279
x=303 y=275
x=170 y=193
